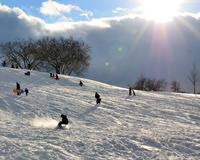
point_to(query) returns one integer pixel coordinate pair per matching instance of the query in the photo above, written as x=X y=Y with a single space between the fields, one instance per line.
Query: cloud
x=118 y=10
x=87 y=14
x=16 y=23
x=65 y=19
x=122 y=47
x=53 y=8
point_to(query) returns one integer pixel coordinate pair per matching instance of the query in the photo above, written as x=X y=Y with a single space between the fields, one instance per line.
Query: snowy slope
x=149 y=126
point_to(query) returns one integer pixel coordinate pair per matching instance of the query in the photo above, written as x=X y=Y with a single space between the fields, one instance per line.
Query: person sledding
x=27 y=73
x=64 y=120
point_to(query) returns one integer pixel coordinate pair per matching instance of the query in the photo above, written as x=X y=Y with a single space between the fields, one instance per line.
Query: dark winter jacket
x=64 y=119
x=18 y=85
x=57 y=77
x=130 y=90
x=97 y=96
x=81 y=83
x=26 y=91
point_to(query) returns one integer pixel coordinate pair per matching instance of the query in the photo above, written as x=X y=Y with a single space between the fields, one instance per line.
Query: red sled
x=55 y=78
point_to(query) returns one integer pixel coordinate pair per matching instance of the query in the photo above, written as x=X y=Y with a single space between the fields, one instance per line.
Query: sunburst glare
x=160 y=10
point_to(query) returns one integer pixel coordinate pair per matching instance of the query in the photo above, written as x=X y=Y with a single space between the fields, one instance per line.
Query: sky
x=157 y=38
x=150 y=125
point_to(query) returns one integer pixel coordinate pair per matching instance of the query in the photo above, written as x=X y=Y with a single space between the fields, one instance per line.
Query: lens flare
x=107 y=63
x=119 y=49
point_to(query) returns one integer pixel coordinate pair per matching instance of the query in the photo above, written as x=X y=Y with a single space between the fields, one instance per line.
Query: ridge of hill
x=150 y=125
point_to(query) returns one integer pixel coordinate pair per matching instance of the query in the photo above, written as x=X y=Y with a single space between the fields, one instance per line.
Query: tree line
x=148 y=84
x=62 y=55
x=67 y=56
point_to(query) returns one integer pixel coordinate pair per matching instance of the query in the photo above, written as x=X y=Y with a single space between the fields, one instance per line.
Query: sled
x=55 y=78
x=63 y=127
x=27 y=73
x=18 y=90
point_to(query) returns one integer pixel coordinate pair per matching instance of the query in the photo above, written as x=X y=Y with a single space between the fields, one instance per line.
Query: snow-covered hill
x=149 y=126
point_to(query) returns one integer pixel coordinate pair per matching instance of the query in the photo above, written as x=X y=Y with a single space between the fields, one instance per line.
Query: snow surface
x=149 y=126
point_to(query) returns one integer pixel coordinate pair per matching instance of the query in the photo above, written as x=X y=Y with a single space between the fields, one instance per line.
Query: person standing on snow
x=26 y=91
x=18 y=87
x=81 y=83
x=57 y=77
x=130 y=91
x=4 y=64
x=98 y=99
x=133 y=92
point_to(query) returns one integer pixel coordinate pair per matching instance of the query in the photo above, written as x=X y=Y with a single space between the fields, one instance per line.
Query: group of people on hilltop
x=12 y=66
x=54 y=76
x=16 y=66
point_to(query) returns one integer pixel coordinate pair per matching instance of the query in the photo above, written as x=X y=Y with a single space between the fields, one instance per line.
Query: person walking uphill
x=98 y=99
x=130 y=91
x=64 y=120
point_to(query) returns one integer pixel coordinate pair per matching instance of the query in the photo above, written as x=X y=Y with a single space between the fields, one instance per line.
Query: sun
x=160 y=10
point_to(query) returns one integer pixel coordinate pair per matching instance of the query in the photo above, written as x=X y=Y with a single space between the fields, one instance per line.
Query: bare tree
x=75 y=57
x=140 y=83
x=21 y=53
x=148 y=84
x=175 y=86
x=64 y=55
x=161 y=85
x=194 y=76
x=49 y=53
